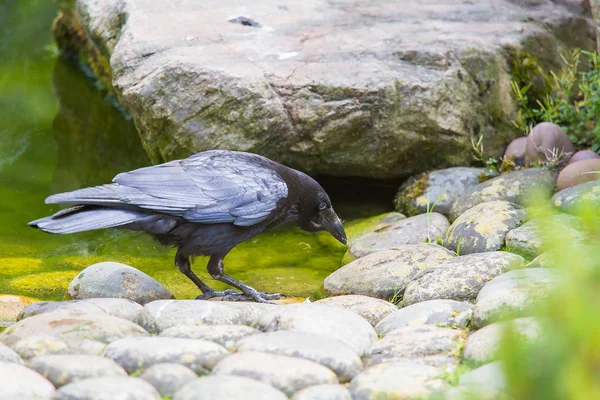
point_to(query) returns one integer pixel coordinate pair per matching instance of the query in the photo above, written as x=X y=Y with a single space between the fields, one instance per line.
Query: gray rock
x=425 y=344
x=387 y=273
x=168 y=378
x=85 y=347
x=64 y=369
x=404 y=380
x=227 y=336
x=536 y=236
x=120 y=308
x=513 y=294
x=288 y=374
x=482 y=346
x=40 y=344
x=108 y=388
x=337 y=111
x=9 y=355
x=136 y=353
x=515 y=187
x=440 y=188
x=18 y=380
x=574 y=198
x=334 y=322
x=460 y=278
x=164 y=314
x=111 y=279
x=227 y=388
x=431 y=312
x=370 y=308
x=324 y=350
x=484 y=227
x=418 y=229
x=69 y=325
x=323 y=392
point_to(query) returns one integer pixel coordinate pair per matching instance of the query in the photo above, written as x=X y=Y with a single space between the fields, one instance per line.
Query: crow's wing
x=209 y=187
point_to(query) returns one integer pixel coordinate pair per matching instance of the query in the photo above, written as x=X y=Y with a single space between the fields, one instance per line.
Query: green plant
x=573 y=102
x=430 y=208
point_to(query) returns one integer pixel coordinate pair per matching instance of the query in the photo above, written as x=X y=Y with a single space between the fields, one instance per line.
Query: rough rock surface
x=337 y=83
x=404 y=380
x=168 y=378
x=120 y=308
x=323 y=392
x=334 y=322
x=108 y=388
x=111 y=279
x=513 y=293
x=228 y=387
x=481 y=347
x=438 y=189
x=484 y=227
x=64 y=369
x=18 y=380
x=414 y=230
x=321 y=349
x=460 y=278
x=386 y=273
x=70 y=325
x=287 y=374
x=135 y=353
x=515 y=187
x=370 y=308
x=426 y=344
x=431 y=312
x=571 y=199
x=227 y=336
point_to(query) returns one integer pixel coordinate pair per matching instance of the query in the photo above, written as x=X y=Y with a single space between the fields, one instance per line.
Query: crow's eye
x=322 y=205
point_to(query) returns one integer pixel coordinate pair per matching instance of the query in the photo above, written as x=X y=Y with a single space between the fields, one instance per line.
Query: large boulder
x=328 y=87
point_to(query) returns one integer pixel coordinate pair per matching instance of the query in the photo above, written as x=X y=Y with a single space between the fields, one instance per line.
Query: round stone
x=108 y=388
x=9 y=355
x=168 y=378
x=227 y=387
x=65 y=369
x=18 y=380
x=323 y=392
x=227 y=336
x=370 y=308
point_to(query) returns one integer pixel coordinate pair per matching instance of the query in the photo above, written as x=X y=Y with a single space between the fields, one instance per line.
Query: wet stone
x=334 y=322
x=404 y=380
x=227 y=388
x=111 y=279
x=64 y=369
x=418 y=229
x=432 y=312
x=484 y=227
x=323 y=392
x=136 y=353
x=168 y=378
x=513 y=294
x=515 y=187
x=460 y=278
x=324 y=350
x=18 y=380
x=370 y=308
x=108 y=388
x=9 y=355
x=425 y=344
x=69 y=325
x=227 y=336
x=387 y=273
x=441 y=187
x=574 y=198
x=481 y=347
x=164 y=314
x=287 y=374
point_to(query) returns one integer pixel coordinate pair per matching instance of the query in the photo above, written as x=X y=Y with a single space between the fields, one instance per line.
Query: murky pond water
x=59 y=133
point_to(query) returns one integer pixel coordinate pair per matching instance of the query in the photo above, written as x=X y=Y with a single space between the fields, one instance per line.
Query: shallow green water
x=59 y=133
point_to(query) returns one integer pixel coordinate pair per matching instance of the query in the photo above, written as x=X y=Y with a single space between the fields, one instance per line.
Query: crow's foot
x=212 y=293
x=260 y=297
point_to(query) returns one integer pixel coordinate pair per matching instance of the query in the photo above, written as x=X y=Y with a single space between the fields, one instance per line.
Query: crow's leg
x=215 y=269
x=183 y=265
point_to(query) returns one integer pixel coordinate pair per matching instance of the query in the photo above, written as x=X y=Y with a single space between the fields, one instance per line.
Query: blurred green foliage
x=570 y=97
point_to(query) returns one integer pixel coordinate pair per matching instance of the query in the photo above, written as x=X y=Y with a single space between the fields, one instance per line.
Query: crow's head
x=316 y=212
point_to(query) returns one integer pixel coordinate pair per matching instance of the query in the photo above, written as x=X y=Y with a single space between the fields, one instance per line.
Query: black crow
x=205 y=204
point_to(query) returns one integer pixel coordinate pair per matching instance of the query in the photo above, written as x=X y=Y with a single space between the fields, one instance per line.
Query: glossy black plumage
x=204 y=205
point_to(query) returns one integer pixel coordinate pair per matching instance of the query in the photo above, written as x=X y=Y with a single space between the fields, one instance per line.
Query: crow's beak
x=333 y=225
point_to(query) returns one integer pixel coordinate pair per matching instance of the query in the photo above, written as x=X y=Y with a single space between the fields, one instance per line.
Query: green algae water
x=59 y=132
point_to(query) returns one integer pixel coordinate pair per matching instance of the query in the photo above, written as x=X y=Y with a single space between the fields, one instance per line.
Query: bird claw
x=232 y=295
x=212 y=294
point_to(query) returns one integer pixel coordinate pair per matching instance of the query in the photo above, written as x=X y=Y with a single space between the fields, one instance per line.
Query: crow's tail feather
x=85 y=218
